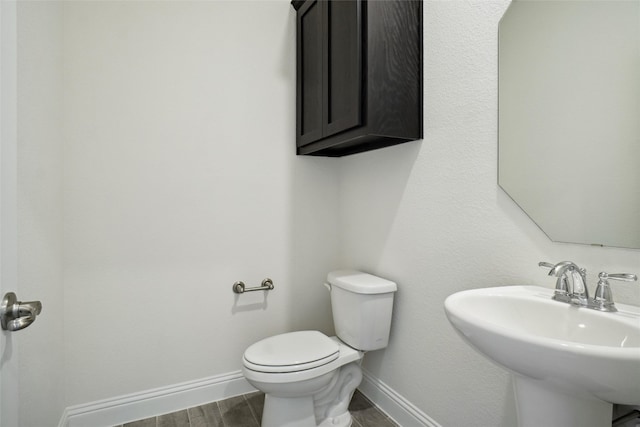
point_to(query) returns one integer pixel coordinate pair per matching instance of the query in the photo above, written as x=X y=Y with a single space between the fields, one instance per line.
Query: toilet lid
x=291 y=352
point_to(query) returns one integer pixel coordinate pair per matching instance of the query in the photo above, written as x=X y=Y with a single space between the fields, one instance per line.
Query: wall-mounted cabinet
x=359 y=75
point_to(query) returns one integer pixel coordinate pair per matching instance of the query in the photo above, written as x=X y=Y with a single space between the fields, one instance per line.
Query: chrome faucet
x=578 y=294
x=571 y=286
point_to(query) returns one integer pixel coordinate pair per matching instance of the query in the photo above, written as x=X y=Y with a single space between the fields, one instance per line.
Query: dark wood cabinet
x=359 y=75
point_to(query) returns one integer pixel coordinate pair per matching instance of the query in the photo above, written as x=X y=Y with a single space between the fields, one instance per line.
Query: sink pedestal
x=541 y=404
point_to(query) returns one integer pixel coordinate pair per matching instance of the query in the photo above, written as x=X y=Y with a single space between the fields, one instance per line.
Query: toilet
x=309 y=378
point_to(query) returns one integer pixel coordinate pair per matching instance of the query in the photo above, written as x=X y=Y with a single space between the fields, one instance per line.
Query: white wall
x=430 y=216
x=41 y=387
x=181 y=178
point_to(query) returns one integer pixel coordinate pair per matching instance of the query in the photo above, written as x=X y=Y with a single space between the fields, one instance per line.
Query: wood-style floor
x=246 y=411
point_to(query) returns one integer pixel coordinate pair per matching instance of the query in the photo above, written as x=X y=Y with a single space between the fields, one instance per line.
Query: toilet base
x=343 y=420
x=317 y=397
x=288 y=412
x=328 y=407
x=297 y=412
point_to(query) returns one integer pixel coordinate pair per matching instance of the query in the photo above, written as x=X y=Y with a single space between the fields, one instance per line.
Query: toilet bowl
x=309 y=378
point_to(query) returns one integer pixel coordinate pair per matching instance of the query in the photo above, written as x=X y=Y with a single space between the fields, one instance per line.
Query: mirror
x=569 y=117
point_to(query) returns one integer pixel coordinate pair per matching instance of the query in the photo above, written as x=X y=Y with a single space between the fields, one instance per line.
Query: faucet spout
x=561 y=268
x=577 y=292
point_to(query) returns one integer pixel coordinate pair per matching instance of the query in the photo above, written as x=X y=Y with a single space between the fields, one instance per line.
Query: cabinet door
x=309 y=72
x=342 y=76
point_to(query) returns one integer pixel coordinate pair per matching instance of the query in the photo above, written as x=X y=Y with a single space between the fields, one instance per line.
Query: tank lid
x=360 y=283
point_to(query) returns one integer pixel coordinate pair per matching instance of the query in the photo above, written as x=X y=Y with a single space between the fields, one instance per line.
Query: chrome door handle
x=16 y=315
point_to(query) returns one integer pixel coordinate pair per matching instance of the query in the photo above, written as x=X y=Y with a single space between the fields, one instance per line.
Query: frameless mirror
x=569 y=117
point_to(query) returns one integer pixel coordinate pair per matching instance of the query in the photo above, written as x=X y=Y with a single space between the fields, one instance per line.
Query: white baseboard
x=393 y=404
x=163 y=400
x=138 y=406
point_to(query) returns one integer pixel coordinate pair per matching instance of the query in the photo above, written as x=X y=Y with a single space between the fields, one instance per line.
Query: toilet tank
x=362 y=306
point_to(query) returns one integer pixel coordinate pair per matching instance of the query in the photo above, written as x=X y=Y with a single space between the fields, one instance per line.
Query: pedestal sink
x=569 y=364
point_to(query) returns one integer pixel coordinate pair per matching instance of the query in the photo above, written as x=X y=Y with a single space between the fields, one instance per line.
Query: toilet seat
x=291 y=352
x=346 y=355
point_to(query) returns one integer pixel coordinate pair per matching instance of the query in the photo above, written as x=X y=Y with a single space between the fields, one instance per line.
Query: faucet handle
x=624 y=277
x=603 y=297
x=546 y=265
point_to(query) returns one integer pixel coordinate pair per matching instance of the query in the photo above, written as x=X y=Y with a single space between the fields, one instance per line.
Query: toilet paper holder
x=240 y=288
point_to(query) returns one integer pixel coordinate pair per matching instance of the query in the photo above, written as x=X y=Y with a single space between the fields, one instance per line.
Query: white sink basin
x=569 y=363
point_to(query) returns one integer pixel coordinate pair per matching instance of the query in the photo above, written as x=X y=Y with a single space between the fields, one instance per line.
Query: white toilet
x=309 y=378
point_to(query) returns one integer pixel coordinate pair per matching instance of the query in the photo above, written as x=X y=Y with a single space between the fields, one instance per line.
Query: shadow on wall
x=371 y=217
x=372 y=214
x=315 y=240
x=257 y=301
x=318 y=227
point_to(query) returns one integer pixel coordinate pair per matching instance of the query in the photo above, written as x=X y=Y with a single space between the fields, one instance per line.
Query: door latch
x=16 y=315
